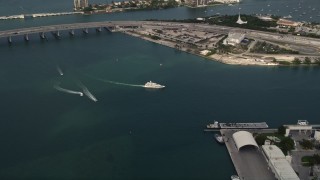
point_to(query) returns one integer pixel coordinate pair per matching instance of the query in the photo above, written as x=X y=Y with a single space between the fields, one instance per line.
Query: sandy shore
x=223 y=58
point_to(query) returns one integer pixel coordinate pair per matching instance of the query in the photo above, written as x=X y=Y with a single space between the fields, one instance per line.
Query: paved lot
x=298 y=153
x=249 y=161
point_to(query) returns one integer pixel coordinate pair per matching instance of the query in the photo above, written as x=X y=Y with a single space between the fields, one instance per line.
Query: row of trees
x=286 y=144
x=307 y=60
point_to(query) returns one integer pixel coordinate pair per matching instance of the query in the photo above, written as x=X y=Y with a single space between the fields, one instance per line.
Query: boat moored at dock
x=235 y=177
x=255 y=125
x=219 y=138
x=215 y=125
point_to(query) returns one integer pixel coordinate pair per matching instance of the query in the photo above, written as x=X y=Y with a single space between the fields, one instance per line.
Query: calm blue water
x=131 y=132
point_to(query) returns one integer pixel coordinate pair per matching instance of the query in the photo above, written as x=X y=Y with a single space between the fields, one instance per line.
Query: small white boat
x=235 y=177
x=287 y=17
x=219 y=138
x=215 y=125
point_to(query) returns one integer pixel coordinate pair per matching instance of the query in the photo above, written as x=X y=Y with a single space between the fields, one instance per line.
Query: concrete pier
x=249 y=162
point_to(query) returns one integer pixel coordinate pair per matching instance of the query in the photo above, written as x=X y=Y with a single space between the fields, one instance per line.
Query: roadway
x=274 y=37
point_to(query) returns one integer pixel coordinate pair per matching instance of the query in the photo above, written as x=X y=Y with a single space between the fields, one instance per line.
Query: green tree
x=281 y=130
x=317 y=61
x=296 y=61
x=260 y=139
x=316 y=158
x=287 y=144
x=307 y=60
x=306 y=144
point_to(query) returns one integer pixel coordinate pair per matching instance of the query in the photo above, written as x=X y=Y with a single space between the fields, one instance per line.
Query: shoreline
x=222 y=58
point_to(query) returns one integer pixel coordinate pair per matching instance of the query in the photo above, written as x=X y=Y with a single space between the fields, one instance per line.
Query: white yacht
x=153 y=85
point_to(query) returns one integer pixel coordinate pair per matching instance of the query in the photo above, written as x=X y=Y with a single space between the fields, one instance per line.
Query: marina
x=47 y=134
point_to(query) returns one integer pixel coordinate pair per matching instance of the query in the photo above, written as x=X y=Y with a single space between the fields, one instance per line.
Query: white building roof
x=273 y=152
x=279 y=163
x=236 y=35
x=244 y=138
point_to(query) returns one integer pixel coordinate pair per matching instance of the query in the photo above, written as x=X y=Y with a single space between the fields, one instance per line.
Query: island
x=238 y=39
x=134 y=5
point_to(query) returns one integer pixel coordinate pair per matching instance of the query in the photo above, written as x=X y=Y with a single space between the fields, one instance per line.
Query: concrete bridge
x=55 y=29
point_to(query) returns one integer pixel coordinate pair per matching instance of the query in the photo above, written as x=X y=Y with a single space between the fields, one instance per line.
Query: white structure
x=317 y=135
x=302 y=125
x=205 y=52
x=234 y=38
x=227 y=1
x=239 y=21
x=278 y=163
x=244 y=138
x=77 y=4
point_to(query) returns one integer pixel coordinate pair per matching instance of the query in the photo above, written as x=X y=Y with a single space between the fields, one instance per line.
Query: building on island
x=288 y=23
x=201 y=3
x=226 y=1
x=279 y=163
x=234 y=38
x=317 y=135
x=239 y=21
x=80 y=4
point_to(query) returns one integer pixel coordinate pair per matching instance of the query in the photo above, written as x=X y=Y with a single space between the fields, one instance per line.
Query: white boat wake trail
x=57 y=87
x=87 y=92
x=118 y=83
x=59 y=70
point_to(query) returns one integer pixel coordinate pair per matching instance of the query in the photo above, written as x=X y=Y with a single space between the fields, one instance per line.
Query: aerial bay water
x=131 y=132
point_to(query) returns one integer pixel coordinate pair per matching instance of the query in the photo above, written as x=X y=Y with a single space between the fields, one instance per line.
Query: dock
x=255 y=125
x=249 y=162
x=258 y=125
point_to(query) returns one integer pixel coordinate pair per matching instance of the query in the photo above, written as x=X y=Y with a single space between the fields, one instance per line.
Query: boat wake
x=57 y=87
x=60 y=71
x=117 y=83
x=87 y=92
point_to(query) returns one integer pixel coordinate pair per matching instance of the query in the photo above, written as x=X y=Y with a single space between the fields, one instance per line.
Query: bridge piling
x=56 y=34
x=85 y=31
x=107 y=28
x=99 y=29
x=71 y=33
x=26 y=37
x=42 y=35
x=9 y=40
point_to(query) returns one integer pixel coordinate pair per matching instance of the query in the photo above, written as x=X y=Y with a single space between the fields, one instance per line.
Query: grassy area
x=307 y=160
x=267 y=48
